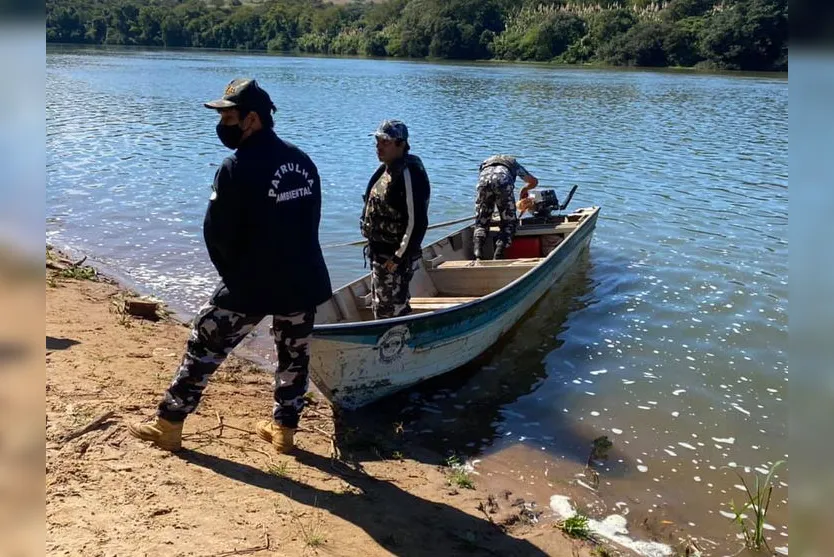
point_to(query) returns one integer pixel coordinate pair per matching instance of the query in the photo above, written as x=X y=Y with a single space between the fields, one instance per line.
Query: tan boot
x=281 y=437
x=164 y=434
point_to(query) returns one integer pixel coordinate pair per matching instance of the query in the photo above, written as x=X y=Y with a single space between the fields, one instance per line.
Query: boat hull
x=354 y=364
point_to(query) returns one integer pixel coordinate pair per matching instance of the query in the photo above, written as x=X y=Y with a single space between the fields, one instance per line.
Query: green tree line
x=723 y=34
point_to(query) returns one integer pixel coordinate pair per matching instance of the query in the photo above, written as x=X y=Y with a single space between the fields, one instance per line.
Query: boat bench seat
x=478 y=278
x=425 y=304
x=430 y=304
x=487 y=264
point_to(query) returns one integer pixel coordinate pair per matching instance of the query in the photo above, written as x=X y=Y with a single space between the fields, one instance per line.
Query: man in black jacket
x=394 y=219
x=261 y=231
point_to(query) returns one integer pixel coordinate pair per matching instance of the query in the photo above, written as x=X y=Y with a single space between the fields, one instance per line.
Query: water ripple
x=682 y=300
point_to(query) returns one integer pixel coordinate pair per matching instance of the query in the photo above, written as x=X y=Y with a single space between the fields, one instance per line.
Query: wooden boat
x=460 y=308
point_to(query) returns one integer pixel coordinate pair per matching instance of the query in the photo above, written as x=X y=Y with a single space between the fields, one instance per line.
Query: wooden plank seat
x=478 y=278
x=425 y=304
x=487 y=263
x=563 y=228
x=430 y=304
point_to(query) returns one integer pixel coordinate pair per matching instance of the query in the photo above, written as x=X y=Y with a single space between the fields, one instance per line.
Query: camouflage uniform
x=215 y=333
x=496 y=183
x=394 y=221
x=390 y=293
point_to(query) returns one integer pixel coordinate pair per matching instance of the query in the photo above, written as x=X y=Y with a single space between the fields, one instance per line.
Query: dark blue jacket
x=262 y=229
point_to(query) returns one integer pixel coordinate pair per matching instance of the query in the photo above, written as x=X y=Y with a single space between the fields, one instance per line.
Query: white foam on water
x=561 y=506
x=627 y=382
x=599 y=372
x=678 y=392
x=671 y=453
x=726 y=441
x=687 y=446
x=676 y=414
x=642 y=468
x=697 y=478
x=727 y=514
x=616 y=431
x=781 y=550
x=740 y=409
x=612 y=527
x=594 y=413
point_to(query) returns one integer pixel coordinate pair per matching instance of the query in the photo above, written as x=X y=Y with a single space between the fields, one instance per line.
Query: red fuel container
x=524 y=246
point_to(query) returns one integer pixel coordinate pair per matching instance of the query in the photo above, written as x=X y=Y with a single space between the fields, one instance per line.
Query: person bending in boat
x=394 y=219
x=496 y=184
x=262 y=234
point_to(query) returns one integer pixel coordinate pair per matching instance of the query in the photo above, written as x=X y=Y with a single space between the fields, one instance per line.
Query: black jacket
x=396 y=222
x=262 y=229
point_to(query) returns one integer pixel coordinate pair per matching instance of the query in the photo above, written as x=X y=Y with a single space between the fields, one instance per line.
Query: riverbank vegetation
x=715 y=34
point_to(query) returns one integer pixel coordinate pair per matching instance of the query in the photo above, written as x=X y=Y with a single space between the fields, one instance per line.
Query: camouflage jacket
x=505 y=161
x=395 y=216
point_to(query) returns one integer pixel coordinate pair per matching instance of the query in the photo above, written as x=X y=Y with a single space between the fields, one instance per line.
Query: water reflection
x=466 y=410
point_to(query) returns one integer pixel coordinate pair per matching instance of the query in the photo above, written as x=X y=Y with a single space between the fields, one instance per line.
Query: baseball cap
x=243 y=93
x=392 y=129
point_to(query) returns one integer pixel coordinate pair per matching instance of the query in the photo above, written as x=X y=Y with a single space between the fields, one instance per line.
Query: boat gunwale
x=359 y=326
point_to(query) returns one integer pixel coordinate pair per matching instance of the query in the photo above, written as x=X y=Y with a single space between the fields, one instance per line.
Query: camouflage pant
x=390 y=290
x=215 y=333
x=495 y=189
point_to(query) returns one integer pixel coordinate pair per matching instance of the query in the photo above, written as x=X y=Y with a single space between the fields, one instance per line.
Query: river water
x=670 y=337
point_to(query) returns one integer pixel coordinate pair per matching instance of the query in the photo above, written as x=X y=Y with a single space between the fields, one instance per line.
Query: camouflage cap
x=243 y=93
x=392 y=129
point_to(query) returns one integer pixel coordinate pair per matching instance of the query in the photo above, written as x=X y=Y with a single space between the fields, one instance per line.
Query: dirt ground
x=349 y=488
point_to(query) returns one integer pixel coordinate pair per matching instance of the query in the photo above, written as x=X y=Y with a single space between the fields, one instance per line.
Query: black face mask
x=230 y=135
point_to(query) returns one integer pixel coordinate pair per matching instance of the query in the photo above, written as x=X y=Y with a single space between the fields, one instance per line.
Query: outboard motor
x=546 y=203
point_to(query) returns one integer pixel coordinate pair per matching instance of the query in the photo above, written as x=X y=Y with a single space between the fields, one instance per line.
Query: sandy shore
x=350 y=489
